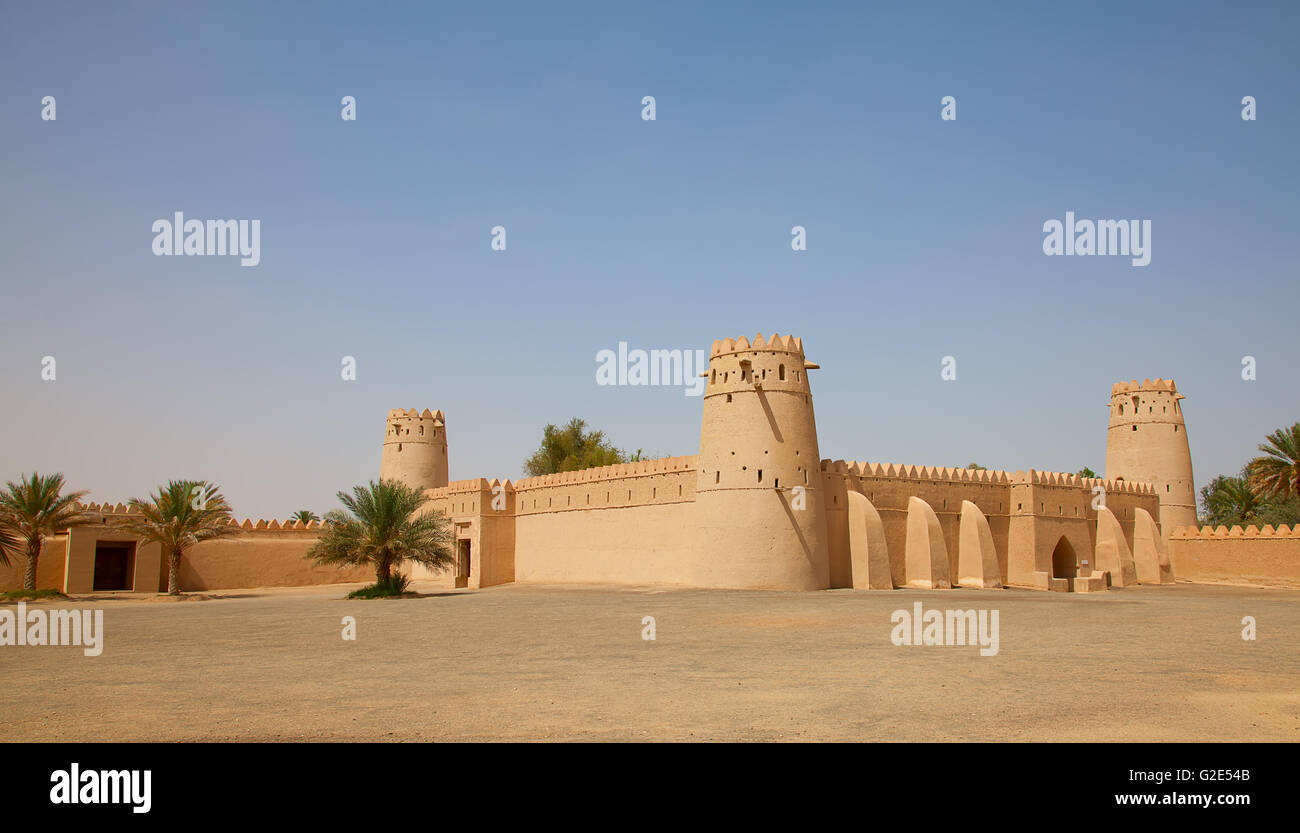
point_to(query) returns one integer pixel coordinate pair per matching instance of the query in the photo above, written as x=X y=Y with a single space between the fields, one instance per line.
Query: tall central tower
x=415 y=448
x=759 y=501
x=1147 y=442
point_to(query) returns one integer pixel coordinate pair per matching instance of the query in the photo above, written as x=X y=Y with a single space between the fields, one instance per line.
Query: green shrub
x=30 y=595
x=396 y=585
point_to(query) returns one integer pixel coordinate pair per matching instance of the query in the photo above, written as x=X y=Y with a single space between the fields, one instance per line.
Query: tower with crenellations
x=759 y=502
x=1147 y=442
x=415 y=448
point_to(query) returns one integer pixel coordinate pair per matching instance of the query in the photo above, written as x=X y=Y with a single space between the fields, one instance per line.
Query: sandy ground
x=529 y=662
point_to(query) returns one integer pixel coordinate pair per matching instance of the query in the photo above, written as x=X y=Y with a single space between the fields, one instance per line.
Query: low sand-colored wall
x=49 y=569
x=631 y=523
x=651 y=544
x=261 y=559
x=261 y=554
x=1268 y=557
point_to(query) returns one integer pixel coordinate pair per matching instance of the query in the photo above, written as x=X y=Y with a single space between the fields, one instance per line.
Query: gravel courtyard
x=531 y=662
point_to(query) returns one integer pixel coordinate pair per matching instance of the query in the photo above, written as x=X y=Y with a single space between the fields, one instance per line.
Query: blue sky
x=924 y=236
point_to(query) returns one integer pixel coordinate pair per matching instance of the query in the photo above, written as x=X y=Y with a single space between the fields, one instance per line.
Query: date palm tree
x=10 y=541
x=304 y=515
x=380 y=527
x=1276 y=473
x=33 y=509
x=176 y=517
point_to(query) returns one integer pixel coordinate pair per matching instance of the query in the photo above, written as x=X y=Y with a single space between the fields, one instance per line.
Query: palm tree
x=35 y=508
x=10 y=541
x=304 y=515
x=1277 y=472
x=178 y=516
x=381 y=528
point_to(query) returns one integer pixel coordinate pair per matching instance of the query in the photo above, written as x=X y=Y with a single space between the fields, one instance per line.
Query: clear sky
x=924 y=236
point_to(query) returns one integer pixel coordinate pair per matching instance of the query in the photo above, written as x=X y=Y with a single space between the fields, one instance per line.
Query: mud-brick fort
x=758 y=508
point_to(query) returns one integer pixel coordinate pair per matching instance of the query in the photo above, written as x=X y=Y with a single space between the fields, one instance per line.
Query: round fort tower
x=1147 y=442
x=415 y=448
x=759 y=507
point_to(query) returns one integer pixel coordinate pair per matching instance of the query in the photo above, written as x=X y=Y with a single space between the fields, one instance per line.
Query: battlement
x=415 y=448
x=460 y=487
x=106 y=508
x=249 y=525
x=1159 y=385
x=787 y=344
x=905 y=472
x=109 y=510
x=412 y=413
x=960 y=475
x=619 y=471
x=1252 y=531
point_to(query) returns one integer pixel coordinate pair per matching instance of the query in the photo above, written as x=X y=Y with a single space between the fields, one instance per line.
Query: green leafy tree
x=572 y=448
x=976 y=467
x=31 y=510
x=1276 y=473
x=176 y=517
x=1230 y=500
x=381 y=528
x=305 y=515
x=1087 y=472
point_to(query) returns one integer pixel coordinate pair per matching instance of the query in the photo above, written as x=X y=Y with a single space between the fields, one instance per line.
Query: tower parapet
x=759 y=500
x=1147 y=441
x=415 y=448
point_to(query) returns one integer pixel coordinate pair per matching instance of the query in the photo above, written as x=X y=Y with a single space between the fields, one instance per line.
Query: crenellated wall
x=262 y=554
x=639 y=523
x=1028 y=514
x=263 y=558
x=1221 y=555
x=758 y=509
x=621 y=524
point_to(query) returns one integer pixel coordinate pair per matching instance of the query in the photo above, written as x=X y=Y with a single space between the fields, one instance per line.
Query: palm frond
x=10 y=541
x=179 y=515
x=1276 y=472
x=381 y=525
x=36 y=506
